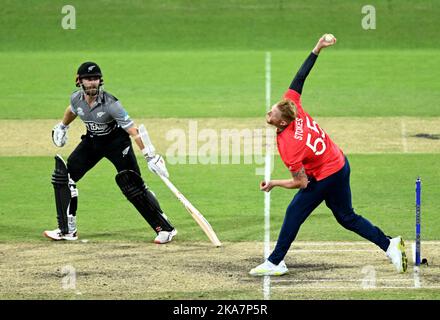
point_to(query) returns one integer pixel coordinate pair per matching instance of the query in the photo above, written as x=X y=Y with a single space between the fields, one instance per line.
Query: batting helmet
x=86 y=70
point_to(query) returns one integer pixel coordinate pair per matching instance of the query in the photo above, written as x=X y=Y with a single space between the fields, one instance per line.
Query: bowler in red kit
x=321 y=171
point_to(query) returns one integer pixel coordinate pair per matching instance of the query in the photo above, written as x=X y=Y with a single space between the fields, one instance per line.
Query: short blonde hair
x=288 y=110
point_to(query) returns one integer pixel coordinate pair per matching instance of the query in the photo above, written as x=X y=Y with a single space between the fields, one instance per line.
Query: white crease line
x=267 y=174
x=338 y=280
x=352 y=243
x=266 y=287
x=417 y=283
x=416 y=269
x=350 y=288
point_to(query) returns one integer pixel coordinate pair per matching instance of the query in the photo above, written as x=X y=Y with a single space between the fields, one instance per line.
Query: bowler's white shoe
x=57 y=235
x=267 y=268
x=165 y=236
x=396 y=253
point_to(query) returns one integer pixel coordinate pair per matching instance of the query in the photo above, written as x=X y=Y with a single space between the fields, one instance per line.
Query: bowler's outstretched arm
x=298 y=82
x=300 y=77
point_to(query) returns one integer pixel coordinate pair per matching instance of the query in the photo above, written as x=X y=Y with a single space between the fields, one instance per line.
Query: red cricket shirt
x=304 y=144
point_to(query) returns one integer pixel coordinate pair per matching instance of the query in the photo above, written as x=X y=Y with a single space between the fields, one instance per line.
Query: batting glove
x=157 y=165
x=59 y=134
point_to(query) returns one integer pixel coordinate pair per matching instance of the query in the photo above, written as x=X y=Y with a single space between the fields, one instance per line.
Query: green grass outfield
x=227 y=84
x=163 y=25
x=228 y=196
x=206 y=58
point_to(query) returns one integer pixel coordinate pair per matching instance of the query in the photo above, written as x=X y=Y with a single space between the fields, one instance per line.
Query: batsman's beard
x=91 y=90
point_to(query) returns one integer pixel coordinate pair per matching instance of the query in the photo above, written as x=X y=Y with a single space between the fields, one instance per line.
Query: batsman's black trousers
x=335 y=191
x=115 y=146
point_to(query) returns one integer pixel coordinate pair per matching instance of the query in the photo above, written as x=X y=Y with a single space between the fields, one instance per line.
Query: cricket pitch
x=140 y=270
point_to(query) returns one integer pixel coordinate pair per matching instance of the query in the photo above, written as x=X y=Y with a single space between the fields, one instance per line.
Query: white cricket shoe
x=267 y=268
x=396 y=253
x=165 y=236
x=57 y=235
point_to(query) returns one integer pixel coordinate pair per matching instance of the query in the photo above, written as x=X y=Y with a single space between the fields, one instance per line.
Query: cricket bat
x=197 y=216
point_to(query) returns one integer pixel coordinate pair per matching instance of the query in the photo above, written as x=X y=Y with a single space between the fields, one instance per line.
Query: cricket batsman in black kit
x=109 y=129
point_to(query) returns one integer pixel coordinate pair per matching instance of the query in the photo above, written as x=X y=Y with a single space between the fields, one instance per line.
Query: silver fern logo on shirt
x=125 y=151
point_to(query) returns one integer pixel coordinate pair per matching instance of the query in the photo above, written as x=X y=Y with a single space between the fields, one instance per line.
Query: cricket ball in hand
x=328 y=37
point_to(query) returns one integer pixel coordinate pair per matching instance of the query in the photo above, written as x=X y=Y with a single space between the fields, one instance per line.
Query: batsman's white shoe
x=396 y=253
x=57 y=235
x=267 y=268
x=165 y=236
